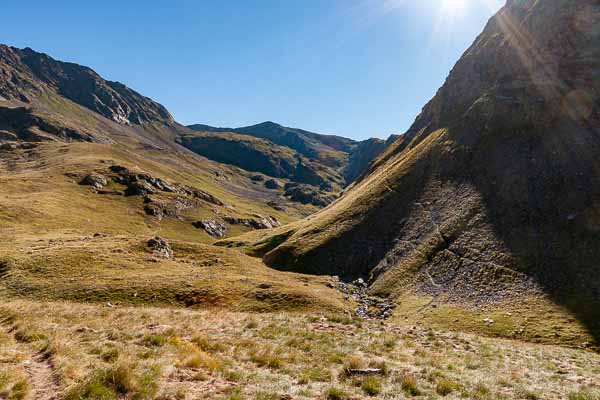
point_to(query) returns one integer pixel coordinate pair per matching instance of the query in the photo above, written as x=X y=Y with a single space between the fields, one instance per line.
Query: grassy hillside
x=328 y=153
x=259 y=155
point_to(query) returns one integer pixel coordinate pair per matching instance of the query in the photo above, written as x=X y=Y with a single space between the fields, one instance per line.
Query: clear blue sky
x=358 y=68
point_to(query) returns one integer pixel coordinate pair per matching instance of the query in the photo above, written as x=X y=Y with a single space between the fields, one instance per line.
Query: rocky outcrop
x=162 y=199
x=258 y=222
x=160 y=247
x=98 y=181
x=143 y=184
x=212 y=227
x=168 y=206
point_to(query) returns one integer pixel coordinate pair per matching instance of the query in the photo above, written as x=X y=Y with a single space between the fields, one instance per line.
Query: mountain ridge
x=352 y=156
x=78 y=83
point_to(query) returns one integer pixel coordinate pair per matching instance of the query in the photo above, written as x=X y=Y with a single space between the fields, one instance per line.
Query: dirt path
x=43 y=385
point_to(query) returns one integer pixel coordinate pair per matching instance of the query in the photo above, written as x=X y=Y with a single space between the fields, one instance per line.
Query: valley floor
x=68 y=350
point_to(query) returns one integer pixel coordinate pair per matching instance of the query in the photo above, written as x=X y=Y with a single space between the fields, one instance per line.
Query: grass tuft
x=446 y=386
x=408 y=383
x=584 y=394
x=117 y=381
x=201 y=359
x=335 y=394
x=267 y=359
x=371 y=386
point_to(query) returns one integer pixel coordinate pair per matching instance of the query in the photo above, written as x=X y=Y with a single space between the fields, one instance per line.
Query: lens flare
x=454 y=8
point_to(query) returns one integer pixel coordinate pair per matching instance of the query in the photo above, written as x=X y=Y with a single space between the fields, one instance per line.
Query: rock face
x=361 y=156
x=162 y=199
x=24 y=72
x=495 y=189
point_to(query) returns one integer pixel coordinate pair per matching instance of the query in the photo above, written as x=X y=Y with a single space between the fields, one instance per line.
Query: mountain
x=70 y=140
x=491 y=200
x=101 y=204
x=26 y=74
x=260 y=155
x=332 y=152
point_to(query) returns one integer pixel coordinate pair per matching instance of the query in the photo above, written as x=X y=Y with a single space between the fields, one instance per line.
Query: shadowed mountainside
x=494 y=193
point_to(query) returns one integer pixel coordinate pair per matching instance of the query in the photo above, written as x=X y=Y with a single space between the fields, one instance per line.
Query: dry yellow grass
x=156 y=353
x=122 y=270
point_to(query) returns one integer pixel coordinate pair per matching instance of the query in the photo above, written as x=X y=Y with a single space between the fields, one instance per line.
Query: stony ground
x=61 y=350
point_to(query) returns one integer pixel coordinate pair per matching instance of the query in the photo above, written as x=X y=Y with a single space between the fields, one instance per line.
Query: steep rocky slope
x=25 y=73
x=494 y=193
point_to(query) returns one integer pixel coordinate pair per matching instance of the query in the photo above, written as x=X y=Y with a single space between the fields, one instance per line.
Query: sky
x=357 y=68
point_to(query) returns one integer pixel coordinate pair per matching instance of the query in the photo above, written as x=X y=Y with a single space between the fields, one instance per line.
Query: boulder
x=212 y=227
x=139 y=188
x=160 y=247
x=272 y=184
x=96 y=180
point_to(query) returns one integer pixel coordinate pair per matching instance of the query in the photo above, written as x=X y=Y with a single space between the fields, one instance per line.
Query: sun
x=453 y=8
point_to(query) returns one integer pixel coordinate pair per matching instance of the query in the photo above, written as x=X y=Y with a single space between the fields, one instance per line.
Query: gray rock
x=259 y=222
x=139 y=188
x=96 y=180
x=160 y=247
x=213 y=228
